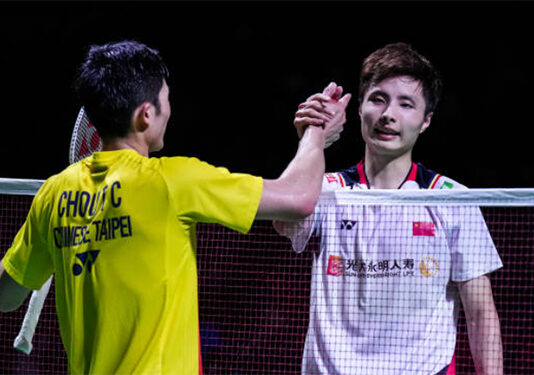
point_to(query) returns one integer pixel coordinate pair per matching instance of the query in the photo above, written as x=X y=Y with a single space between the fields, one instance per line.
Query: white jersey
x=382 y=301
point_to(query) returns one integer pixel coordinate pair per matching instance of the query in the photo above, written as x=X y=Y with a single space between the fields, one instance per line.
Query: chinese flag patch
x=421 y=228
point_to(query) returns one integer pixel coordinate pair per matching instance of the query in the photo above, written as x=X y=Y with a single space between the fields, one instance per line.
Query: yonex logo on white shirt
x=347 y=224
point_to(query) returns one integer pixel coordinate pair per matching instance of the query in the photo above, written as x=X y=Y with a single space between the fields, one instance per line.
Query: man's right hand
x=327 y=109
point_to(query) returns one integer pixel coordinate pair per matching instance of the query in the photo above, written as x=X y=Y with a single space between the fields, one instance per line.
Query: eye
x=407 y=105
x=377 y=99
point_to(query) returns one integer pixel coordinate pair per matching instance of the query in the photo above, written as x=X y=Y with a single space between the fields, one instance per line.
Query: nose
x=387 y=115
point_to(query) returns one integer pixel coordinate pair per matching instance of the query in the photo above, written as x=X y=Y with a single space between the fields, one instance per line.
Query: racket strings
x=85 y=139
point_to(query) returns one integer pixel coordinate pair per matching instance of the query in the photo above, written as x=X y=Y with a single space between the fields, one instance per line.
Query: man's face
x=159 y=124
x=392 y=116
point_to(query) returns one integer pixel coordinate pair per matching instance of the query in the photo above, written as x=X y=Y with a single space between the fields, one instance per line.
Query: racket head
x=85 y=138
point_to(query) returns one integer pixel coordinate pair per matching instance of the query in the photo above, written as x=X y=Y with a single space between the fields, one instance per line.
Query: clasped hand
x=326 y=109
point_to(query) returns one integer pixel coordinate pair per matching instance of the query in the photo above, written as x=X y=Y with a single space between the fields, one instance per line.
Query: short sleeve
x=28 y=260
x=473 y=252
x=201 y=192
x=299 y=232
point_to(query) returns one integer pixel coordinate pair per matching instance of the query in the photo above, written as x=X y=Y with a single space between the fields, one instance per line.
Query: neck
x=129 y=143
x=386 y=172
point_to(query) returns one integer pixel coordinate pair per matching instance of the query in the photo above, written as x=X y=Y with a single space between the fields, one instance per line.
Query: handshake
x=326 y=109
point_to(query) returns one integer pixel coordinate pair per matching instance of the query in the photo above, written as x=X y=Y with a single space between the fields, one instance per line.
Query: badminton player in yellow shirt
x=117 y=229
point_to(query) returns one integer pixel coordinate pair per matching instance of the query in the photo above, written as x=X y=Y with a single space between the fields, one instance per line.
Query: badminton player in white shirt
x=387 y=282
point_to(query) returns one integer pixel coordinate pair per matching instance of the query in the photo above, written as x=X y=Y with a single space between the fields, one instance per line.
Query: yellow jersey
x=118 y=231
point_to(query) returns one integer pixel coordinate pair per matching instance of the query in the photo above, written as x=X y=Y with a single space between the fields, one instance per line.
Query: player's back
x=125 y=267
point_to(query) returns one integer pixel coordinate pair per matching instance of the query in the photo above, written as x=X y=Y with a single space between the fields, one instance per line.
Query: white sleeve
x=473 y=252
x=299 y=232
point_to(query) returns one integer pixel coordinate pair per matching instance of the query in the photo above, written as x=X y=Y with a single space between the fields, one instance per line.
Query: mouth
x=385 y=133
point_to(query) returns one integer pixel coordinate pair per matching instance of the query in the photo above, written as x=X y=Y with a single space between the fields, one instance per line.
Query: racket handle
x=23 y=341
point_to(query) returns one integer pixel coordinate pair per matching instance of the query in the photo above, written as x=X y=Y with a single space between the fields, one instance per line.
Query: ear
x=426 y=124
x=142 y=117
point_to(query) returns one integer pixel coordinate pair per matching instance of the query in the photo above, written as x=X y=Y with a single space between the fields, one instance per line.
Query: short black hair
x=397 y=59
x=114 y=79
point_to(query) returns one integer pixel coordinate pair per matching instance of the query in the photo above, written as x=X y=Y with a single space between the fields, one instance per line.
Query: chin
x=156 y=148
x=383 y=147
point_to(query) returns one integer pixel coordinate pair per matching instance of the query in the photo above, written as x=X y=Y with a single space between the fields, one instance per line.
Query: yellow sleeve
x=204 y=193
x=28 y=259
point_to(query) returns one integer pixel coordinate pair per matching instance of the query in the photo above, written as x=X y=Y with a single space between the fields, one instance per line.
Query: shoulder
x=190 y=171
x=55 y=183
x=344 y=179
x=185 y=166
x=333 y=181
x=44 y=199
x=444 y=182
x=429 y=179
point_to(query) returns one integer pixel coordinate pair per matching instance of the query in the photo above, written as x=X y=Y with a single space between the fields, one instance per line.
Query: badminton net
x=255 y=289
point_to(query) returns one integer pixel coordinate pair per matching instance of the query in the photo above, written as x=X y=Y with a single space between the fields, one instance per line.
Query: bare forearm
x=483 y=325
x=294 y=194
x=485 y=343
x=305 y=172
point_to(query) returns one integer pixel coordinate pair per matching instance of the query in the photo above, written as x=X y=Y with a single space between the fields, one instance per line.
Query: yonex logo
x=347 y=224
x=88 y=259
x=94 y=142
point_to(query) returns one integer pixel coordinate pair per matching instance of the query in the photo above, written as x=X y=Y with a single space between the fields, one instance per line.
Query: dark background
x=239 y=70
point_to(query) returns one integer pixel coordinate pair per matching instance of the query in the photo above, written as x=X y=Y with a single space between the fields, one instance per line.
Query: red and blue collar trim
x=424 y=177
x=360 y=168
